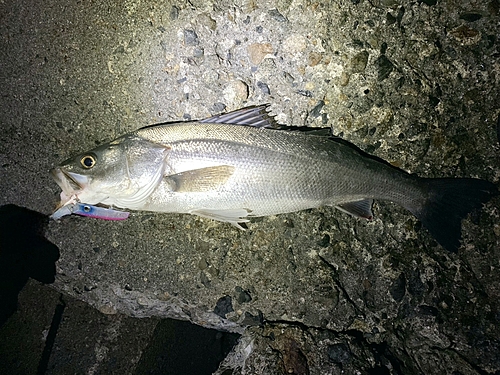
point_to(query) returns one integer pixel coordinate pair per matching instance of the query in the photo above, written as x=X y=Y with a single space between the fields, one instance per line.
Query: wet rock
x=264 y=88
x=206 y=20
x=258 y=51
x=358 y=62
x=190 y=37
x=252 y=320
x=306 y=93
x=224 y=306
x=218 y=107
x=398 y=288
x=242 y=296
x=384 y=67
x=314 y=58
x=339 y=353
x=174 y=12
x=294 y=360
x=236 y=91
x=276 y=15
x=316 y=111
x=390 y=19
x=415 y=285
x=325 y=241
x=470 y=17
x=294 y=44
x=465 y=35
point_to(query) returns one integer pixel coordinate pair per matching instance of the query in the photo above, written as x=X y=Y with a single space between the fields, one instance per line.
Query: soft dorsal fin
x=256 y=116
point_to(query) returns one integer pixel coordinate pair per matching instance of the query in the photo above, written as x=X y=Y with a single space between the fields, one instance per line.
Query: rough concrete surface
x=313 y=292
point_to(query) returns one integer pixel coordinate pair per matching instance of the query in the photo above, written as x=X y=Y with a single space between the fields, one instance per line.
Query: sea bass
x=240 y=165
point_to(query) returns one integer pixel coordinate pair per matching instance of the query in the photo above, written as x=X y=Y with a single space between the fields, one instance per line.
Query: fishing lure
x=88 y=210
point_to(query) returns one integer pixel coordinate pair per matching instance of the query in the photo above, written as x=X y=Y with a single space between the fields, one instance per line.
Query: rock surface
x=313 y=292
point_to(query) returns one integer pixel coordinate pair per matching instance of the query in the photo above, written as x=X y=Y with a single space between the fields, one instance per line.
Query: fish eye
x=88 y=161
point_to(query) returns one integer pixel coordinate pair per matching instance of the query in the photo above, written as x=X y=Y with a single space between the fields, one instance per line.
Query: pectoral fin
x=200 y=180
x=234 y=216
x=362 y=209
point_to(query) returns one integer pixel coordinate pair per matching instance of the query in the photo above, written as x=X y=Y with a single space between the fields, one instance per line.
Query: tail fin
x=448 y=201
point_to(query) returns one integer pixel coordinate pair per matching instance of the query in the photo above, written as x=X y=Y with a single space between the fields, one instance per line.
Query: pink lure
x=90 y=211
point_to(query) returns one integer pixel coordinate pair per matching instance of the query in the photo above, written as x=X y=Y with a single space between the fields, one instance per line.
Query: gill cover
x=123 y=173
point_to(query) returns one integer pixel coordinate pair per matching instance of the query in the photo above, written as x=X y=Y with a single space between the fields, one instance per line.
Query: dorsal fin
x=259 y=117
x=256 y=116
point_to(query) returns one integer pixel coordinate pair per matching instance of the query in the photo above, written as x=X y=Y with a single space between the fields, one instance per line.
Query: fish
x=242 y=164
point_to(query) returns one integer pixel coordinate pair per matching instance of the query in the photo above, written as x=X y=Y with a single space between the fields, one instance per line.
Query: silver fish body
x=221 y=167
x=233 y=167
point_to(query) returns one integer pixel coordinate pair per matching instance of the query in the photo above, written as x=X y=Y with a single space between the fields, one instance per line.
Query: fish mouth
x=70 y=183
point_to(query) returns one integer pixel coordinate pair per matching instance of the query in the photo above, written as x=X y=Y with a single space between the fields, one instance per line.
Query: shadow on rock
x=24 y=253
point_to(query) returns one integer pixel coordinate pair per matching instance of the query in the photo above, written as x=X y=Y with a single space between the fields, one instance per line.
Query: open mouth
x=70 y=183
x=65 y=181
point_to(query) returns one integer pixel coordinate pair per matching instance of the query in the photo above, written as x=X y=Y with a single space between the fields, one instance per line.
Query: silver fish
x=242 y=164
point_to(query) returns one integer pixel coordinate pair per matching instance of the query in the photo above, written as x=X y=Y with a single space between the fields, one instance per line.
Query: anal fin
x=233 y=216
x=362 y=208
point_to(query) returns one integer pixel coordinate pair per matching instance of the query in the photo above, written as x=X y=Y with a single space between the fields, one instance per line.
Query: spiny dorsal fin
x=259 y=117
x=256 y=116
